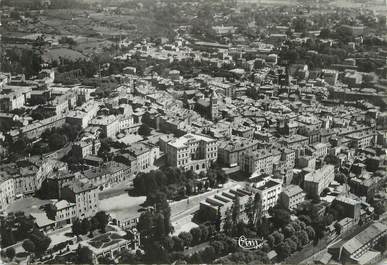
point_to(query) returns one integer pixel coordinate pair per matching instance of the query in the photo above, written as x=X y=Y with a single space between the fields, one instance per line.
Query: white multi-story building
x=269 y=189
x=84 y=114
x=192 y=152
x=85 y=197
x=110 y=125
x=315 y=182
x=125 y=122
x=86 y=147
x=291 y=197
x=65 y=213
x=361 y=139
x=7 y=191
x=260 y=161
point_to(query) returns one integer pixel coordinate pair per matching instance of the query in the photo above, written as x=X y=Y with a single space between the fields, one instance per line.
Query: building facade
x=315 y=182
x=192 y=152
x=291 y=197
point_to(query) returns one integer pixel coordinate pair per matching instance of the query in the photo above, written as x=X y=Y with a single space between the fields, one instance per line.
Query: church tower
x=213 y=106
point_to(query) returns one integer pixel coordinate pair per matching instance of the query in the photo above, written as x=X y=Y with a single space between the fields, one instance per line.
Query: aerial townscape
x=193 y=131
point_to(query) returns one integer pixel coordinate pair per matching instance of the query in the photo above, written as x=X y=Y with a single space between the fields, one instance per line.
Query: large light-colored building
x=219 y=204
x=35 y=129
x=82 y=115
x=230 y=151
x=11 y=101
x=362 y=139
x=315 y=182
x=359 y=249
x=86 y=147
x=106 y=175
x=110 y=125
x=65 y=213
x=7 y=190
x=84 y=195
x=291 y=197
x=260 y=161
x=27 y=175
x=330 y=76
x=192 y=152
x=145 y=155
x=268 y=188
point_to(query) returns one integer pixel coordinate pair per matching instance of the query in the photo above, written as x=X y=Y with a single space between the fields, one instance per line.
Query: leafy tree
x=310 y=231
x=104 y=149
x=337 y=228
x=94 y=224
x=325 y=33
x=85 y=226
x=145 y=224
x=379 y=209
x=236 y=209
x=41 y=241
x=186 y=237
x=84 y=255
x=328 y=219
x=208 y=254
x=218 y=247
x=144 y=130
x=51 y=211
x=76 y=227
x=306 y=219
x=127 y=257
x=296 y=226
x=160 y=232
x=258 y=208
x=19 y=146
x=271 y=240
x=155 y=252
x=103 y=220
x=178 y=243
x=280 y=217
x=292 y=245
x=289 y=230
x=196 y=258
x=303 y=237
x=228 y=222
x=302 y=224
x=263 y=227
x=10 y=253
x=319 y=228
x=284 y=250
x=29 y=246
x=279 y=237
x=204 y=232
x=297 y=241
x=7 y=236
x=196 y=233
x=56 y=141
x=168 y=243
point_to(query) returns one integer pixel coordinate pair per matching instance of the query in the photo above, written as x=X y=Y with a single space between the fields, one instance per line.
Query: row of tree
x=175 y=182
x=291 y=238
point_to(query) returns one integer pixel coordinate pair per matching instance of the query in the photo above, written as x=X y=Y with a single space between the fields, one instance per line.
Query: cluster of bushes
x=290 y=238
x=194 y=237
